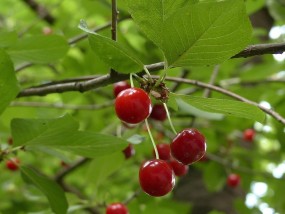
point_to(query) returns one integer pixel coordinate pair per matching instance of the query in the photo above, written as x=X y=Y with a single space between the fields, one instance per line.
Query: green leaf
x=8 y=83
x=52 y=190
x=207 y=33
x=195 y=34
x=62 y=133
x=39 y=49
x=227 y=107
x=151 y=14
x=112 y=53
x=102 y=167
x=7 y=39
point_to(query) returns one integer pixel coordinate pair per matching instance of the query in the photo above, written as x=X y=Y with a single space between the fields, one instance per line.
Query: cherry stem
x=151 y=139
x=131 y=80
x=147 y=72
x=169 y=118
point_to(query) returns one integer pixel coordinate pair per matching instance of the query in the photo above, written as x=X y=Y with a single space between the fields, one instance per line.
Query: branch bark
x=40 y=10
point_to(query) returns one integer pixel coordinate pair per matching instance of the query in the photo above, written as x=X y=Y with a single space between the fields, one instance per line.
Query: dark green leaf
x=7 y=39
x=8 y=83
x=52 y=190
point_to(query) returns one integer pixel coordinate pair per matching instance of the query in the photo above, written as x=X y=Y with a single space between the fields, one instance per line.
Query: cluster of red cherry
x=157 y=176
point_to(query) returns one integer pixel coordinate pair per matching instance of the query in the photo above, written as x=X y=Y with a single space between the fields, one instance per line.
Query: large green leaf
x=151 y=14
x=112 y=53
x=204 y=33
x=63 y=134
x=7 y=38
x=8 y=83
x=102 y=167
x=52 y=190
x=39 y=49
x=227 y=107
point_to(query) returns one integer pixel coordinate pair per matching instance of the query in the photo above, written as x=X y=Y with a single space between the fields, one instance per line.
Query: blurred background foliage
x=111 y=178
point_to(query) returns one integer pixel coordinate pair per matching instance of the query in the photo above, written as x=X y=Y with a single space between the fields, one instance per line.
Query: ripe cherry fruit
x=120 y=86
x=117 y=208
x=233 y=180
x=129 y=151
x=156 y=177
x=188 y=146
x=163 y=150
x=248 y=135
x=158 y=112
x=179 y=168
x=12 y=164
x=133 y=105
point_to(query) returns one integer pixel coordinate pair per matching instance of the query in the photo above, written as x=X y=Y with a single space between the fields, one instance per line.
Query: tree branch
x=41 y=11
x=261 y=49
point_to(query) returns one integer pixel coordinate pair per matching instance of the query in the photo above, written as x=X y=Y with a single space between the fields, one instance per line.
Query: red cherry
x=188 y=146
x=163 y=150
x=12 y=164
x=233 y=180
x=204 y=159
x=158 y=112
x=129 y=151
x=156 y=177
x=120 y=86
x=133 y=105
x=117 y=208
x=248 y=135
x=179 y=168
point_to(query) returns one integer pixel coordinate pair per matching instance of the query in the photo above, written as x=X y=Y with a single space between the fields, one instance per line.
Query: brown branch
x=261 y=49
x=274 y=114
x=65 y=171
x=40 y=10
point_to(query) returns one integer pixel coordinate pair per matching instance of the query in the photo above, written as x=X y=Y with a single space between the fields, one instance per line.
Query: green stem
x=151 y=139
x=169 y=119
x=131 y=80
x=147 y=72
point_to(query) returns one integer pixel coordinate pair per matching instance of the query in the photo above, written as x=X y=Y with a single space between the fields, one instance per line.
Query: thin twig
x=40 y=10
x=65 y=171
x=207 y=91
x=274 y=114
